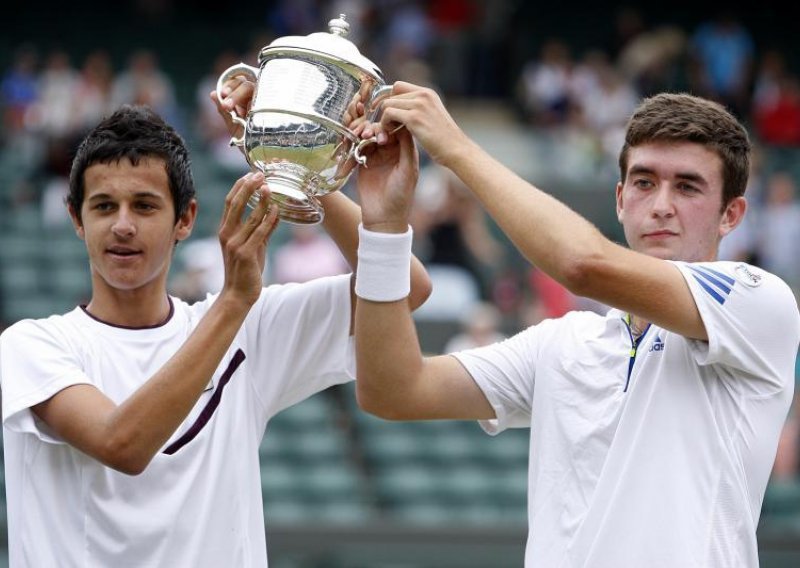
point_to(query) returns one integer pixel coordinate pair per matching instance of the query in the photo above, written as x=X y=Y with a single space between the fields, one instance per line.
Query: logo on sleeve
x=749 y=275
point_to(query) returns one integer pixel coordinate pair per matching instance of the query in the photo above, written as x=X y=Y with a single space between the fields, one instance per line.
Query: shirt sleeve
x=752 y=322
x=36 y=362
x=506 y=373
x=300 y=340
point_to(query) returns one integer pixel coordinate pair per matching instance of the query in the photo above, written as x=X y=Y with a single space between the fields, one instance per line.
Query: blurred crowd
x=460 y=48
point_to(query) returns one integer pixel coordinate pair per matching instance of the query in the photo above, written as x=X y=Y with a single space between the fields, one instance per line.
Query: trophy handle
x=231 y=72
x=373 y=114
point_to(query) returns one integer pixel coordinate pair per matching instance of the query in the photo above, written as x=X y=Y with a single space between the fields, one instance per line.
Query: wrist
x=459 y=148
x=389 y=227
x=234 y=305
x=383 y=273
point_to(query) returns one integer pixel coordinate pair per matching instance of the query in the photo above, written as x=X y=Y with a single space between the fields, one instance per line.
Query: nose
x=662 y=205
x=123 y=226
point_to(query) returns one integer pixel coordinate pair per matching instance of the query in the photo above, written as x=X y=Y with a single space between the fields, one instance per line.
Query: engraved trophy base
x=294 y=204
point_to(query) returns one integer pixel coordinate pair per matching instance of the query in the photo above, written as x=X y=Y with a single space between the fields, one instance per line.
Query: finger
x=359 y=128
x=393 y=118
x=369 y=130
x=240 y=97
x=404 y=88
x=262 y=233
x=230 y=84
x=258 y=213
x=229 y=199
x=250 y=184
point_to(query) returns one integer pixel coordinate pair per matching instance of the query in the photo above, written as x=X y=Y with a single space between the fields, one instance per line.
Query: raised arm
x=127 y=436
x=547 y=232
x=394 y=381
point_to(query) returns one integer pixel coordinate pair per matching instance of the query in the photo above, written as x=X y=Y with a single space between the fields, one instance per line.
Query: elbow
x=373 y=403
x=368 y=402
x=125 y=458
x=581 y=274
x=131 y=469
x=421 y=289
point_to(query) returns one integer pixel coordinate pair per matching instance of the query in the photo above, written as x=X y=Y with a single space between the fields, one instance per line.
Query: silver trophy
x=297 y=130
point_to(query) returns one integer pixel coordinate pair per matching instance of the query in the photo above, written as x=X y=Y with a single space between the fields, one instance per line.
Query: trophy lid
x=332 y=44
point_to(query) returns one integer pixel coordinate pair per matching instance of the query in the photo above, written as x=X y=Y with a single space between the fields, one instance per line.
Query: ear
x=76 y=223
x=183 y=228
x=619 y=201
x=732 y=216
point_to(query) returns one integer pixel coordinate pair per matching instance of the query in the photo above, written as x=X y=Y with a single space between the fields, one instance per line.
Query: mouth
x=122 y=253
x=658 y=235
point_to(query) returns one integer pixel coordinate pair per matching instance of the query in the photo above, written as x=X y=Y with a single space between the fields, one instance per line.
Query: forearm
x=341 y=220
x=139 y=427
x=388 y=356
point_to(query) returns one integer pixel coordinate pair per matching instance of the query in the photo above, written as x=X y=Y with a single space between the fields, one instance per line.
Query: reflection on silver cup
x=298 y=128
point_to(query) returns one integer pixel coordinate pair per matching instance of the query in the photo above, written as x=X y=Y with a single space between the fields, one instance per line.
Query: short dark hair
x=134 y=132
x=681 y=117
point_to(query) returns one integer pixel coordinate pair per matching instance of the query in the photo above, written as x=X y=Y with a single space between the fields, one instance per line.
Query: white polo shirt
x=198 y=503
x=659 y=459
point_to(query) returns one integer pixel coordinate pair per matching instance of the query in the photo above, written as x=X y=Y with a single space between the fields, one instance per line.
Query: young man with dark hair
x=132 y=424
x=653 y=428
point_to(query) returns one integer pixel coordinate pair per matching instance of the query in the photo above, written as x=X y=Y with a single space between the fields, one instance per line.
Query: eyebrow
x=689 y=176
x=138 y=195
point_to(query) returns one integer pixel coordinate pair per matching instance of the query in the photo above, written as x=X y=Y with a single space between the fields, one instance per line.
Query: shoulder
x=52 y=326
x=736 y=295
x=724 y=280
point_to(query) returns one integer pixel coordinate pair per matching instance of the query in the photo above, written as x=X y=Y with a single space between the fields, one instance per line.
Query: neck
x=637 y=325
x=130 y=308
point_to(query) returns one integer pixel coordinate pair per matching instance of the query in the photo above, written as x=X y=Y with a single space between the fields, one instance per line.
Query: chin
x=661 y=252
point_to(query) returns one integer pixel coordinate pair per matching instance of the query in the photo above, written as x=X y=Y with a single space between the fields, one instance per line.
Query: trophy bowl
x=297 y=130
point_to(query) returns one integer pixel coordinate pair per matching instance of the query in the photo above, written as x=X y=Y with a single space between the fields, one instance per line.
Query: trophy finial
x=339 y=26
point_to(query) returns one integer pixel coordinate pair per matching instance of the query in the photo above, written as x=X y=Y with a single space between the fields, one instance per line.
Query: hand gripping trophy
x=297 y=130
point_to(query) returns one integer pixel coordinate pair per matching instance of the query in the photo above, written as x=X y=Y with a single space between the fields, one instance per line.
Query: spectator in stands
x=776 y=110
x=629 y=24
x=722 y=58
x=143 y=82
x=455 y=242
x=19 y=89
x=480 y=326
x=654 y=426
x=308 y=254
x=604 y=104
x=121 y=446
x=779 y=234
x=544 y=85
x=54 y=111
x=654 y=61
x=212 y=132
x=94 y=91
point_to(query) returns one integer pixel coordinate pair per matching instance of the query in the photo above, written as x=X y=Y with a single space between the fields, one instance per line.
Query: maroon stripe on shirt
x=210 y=407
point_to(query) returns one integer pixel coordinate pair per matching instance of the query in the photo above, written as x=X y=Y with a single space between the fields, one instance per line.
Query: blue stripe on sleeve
x=710 y=290
x=719 y=274
x=718 y=283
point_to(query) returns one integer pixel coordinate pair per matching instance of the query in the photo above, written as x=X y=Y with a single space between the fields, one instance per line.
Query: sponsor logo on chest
x=657 y=345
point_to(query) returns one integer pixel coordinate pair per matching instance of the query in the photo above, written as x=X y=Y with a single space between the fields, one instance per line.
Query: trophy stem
x=294 y=205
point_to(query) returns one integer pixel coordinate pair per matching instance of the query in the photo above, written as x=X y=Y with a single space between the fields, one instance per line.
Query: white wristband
x=384 y=265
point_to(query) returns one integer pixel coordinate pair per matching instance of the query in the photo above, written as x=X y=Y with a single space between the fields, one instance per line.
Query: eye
x=642 y=183
x=145 y=206
x=688 y=188
x=103 y=206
